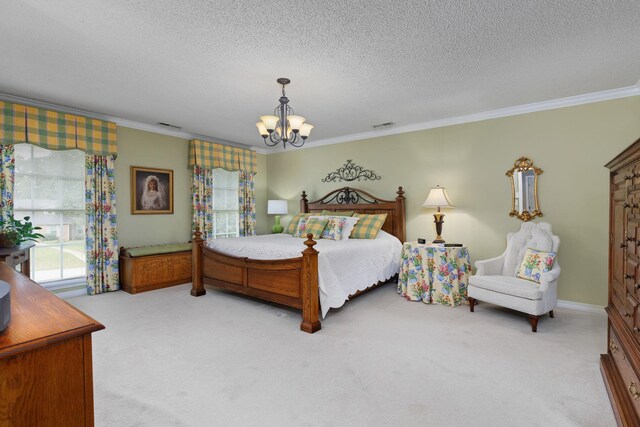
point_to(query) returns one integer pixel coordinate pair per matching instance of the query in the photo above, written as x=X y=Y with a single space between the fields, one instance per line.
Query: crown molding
x=487 y=115
x=124 y=122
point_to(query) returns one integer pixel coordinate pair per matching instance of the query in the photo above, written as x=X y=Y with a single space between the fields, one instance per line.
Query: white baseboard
x=72 y=293
x=581 y=306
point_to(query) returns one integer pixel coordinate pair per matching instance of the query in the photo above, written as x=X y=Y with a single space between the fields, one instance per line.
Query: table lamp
x=438 y=198
x=277 y=208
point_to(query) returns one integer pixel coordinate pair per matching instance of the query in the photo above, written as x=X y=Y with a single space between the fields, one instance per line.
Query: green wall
x=570 y=144
x=147 y=149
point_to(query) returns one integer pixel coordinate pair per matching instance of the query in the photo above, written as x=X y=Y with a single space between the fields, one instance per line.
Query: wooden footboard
x=292 y=282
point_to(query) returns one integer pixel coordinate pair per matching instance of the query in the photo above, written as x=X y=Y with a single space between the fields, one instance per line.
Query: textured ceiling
x=210 y=66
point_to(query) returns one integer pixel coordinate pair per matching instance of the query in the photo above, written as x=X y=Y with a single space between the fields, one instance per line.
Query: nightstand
x=434 y=273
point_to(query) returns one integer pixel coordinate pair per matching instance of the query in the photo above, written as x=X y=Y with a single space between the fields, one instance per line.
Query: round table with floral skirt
x=434 y=273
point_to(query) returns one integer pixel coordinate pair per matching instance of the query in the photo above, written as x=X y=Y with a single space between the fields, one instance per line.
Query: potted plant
x=14 y=232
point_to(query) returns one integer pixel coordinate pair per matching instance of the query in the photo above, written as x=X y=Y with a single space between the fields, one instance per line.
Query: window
x=226 y=215
x=49 y=188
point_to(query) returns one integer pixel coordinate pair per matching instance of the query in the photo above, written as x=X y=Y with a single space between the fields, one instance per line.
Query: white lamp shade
x=305 y=130
x=262 y=129
x=277 y=207
x=270 y=122
x=437 y=198
x=296 y=122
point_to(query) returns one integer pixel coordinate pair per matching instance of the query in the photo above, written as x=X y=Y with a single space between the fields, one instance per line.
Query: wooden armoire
x=620 y=366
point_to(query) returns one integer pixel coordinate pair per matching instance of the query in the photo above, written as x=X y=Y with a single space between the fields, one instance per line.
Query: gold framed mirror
x=524 y=189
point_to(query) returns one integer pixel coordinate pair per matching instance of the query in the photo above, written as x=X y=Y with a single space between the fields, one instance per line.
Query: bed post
x=304 y=207
x=197 y=287
x=310 y=297
x=400 y=223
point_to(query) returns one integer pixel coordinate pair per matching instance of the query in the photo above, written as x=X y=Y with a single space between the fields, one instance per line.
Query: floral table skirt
x=434 y=274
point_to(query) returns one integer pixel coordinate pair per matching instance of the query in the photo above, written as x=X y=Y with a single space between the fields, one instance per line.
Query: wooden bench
x=154 y=267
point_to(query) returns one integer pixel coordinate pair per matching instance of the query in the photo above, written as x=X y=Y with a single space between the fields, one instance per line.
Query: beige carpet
x=169 y=359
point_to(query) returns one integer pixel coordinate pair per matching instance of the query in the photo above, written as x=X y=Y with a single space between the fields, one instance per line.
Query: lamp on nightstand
x=277 y=208
x=438 y=198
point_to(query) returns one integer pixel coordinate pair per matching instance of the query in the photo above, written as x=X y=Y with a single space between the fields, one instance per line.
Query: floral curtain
x=101 y=227
x=247 y=204
x=202 y=202
x=7 y=175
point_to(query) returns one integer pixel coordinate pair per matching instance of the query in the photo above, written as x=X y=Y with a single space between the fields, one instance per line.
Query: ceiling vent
x=168 y=125
x=383 y=125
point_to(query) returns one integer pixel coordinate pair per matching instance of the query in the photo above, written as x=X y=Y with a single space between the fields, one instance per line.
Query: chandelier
x=283 y=126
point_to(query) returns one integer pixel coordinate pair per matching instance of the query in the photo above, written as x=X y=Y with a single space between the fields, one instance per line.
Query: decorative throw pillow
x=293 y=224
x=338 y=227
x=334 y=228
x=337 y=213
x=535 y=263
x=368 y=226
x=314 y=226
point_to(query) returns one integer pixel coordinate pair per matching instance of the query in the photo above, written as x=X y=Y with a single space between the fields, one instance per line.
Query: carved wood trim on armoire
x=620 y=366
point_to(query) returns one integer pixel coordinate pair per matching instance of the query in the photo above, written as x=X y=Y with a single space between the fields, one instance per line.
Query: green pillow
x=337 y=213
x=158 y=249
x=314 y=226
x=368 y=226
x=293 y=224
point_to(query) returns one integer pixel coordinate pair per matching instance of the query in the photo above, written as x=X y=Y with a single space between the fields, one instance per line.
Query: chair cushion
x=158 y=249
x=508 y=286
x=530 y=236
x=534 y=264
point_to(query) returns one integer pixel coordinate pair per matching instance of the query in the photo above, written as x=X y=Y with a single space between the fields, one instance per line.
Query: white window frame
x=233 y=215
x=59 y=283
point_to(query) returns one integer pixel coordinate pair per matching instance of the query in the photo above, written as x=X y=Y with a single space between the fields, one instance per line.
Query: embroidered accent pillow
x=314 y=226
x=337 y=213
x=535 y=263
x=334 y=228
x=368 y=226
x=293 y=224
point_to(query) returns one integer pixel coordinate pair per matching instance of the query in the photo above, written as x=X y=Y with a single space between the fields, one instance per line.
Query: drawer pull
x=627 y=315
x=613 y=347
x=628 y=276
x=637 y=286
x=626 y=205
x=630 y=239
x=623 y=245
x=636 y=330
x=633 y=389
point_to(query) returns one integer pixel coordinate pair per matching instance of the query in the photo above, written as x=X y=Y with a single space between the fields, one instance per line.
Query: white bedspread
x=344 y=267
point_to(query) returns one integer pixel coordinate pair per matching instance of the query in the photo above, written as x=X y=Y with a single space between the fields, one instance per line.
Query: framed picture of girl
x=151 y=191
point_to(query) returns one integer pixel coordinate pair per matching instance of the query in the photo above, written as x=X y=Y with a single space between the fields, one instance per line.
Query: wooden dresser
x=620 y=366
x=46 y=376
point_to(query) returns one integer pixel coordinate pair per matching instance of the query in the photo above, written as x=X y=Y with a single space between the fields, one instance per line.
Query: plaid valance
x=211 y=155
x=55 y=130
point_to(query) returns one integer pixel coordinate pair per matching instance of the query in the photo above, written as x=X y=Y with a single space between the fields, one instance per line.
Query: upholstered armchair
x=495 y=280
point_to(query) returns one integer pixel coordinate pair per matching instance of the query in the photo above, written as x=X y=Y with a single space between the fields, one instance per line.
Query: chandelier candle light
x=277 y=208
x=284 y=126
x=438 y=198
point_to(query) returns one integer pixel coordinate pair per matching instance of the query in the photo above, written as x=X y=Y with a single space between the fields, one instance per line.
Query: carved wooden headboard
x=352 y=199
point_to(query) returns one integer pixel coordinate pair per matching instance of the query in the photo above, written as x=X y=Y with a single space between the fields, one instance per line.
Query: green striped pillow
x=314 y=226
x=293 y=224
x=368 y=226
x=337 y=213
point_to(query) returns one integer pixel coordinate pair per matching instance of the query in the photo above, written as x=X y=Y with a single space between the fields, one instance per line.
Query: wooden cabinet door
x=630 y=311
x=618 y=234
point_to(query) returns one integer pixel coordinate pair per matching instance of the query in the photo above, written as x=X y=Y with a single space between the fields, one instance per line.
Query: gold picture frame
x=151 y=191
x=524 y=189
